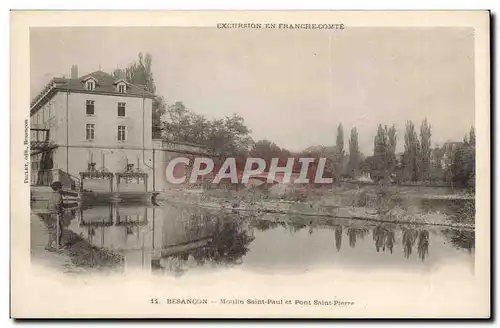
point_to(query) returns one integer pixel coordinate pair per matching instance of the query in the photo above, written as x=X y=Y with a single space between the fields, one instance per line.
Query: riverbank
x=75 y=254
x=395 y=215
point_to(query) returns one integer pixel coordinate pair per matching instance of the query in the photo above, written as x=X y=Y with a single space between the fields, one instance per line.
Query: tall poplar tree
x=391 y=149
x=412 y=151
x=354 y=154
x=339 y=153
x=380 y=150
x=425 y=150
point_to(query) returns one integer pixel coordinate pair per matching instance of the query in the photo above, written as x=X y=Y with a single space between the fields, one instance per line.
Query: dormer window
x=90 y=85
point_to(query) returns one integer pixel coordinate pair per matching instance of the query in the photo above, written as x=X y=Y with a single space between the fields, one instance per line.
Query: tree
x=354 y=154
x=472 y=137
x=266 y=150
x=179 y=125
x=225 y=137
x=425 y=150
x=159 y=109
x=380 y=155
x=391 y=149
x=340 y=140
x=471 y=160
x=412 y=151
x=463 y=166
x=228 y=136
x=339 y=153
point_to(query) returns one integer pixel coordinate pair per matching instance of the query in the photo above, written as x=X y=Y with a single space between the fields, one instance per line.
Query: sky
x=291 y=87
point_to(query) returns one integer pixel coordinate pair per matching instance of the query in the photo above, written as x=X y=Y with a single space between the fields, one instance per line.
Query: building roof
x=105 y=84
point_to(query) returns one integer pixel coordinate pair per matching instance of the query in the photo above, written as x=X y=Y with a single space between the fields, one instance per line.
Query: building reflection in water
x=123 y=230
x=168 y=239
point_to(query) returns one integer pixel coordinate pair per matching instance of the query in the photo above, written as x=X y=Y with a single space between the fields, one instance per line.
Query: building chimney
x=74 y=72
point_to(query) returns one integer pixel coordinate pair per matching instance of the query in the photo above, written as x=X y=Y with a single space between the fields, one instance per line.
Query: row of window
x=90 y=108
x=90 y=132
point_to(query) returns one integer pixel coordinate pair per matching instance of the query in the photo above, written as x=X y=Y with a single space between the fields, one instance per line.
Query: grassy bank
x=81 y=253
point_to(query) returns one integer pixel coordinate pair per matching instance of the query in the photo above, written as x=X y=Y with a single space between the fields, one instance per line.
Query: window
x=90 y=107
x=90 y=131
x=90 y=85
x=121 y=132
x=121 y=88
x=121 y=109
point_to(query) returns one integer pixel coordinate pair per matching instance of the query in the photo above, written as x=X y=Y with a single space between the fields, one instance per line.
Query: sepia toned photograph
x=305 y=167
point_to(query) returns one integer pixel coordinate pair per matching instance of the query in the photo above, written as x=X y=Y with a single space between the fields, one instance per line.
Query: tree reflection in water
x=296 y=227
x=223 y=239
x=461 y=239
x=354 y=234
x=226 y=242
x=263 y=225
x=423 y=244
x=384 y=237
x=229 y=243
x=409 y=239
x=338 y=237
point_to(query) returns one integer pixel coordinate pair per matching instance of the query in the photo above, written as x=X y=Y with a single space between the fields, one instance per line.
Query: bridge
x=278 y=177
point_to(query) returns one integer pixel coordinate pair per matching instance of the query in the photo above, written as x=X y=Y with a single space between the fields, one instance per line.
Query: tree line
x=453 y=163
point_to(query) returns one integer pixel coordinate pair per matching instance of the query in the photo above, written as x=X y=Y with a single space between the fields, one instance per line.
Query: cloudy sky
x=291 y=87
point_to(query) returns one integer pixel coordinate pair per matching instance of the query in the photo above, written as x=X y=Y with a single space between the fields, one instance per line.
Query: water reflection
x=82 y=252
x=175 y=239
x=338 y=237
x=383 y=237
x=461 y=239
x=354 y=234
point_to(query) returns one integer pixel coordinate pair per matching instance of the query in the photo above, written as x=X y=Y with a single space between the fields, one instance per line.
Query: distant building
x=399 y=159
x=443 y=156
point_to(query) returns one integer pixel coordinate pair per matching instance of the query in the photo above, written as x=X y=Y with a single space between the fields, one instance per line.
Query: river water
x=179 y=240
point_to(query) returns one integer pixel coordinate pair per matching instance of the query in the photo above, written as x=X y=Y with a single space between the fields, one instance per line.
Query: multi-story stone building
x=98 y=126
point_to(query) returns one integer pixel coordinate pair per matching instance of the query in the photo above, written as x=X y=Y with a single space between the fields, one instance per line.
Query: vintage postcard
x=239 y=164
